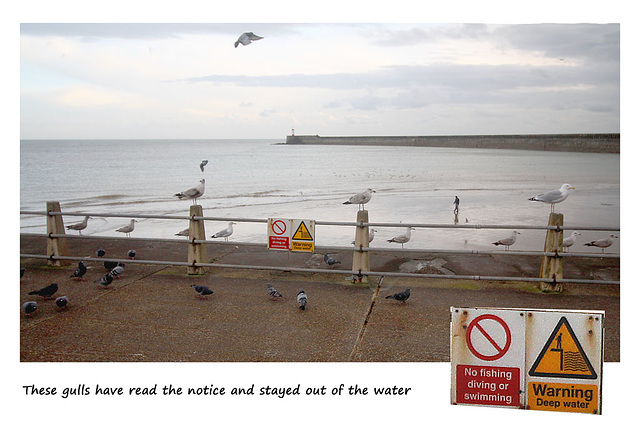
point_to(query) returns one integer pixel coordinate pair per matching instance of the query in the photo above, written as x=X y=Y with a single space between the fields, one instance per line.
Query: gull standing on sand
x=246 y=38
x=79 y=226
x=128 y=228
x=224 y=233
x=192 y=193
x=360 y=198
x=570 y=240
x=554 y=196
x=404 y=238
x=202 y=164
x=509 y=241
x=602 y=243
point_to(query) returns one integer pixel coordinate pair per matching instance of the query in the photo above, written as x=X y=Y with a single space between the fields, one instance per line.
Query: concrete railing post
x=552 y=265
x=360 y=258
x=196 y=252
x=55 y=226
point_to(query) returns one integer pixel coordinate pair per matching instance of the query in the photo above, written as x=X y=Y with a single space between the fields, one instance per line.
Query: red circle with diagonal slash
x=501 y=349
x=278 y=227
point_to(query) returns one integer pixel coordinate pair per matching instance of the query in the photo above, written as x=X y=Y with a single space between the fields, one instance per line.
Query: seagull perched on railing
x=225 y=233
x=372 y=234
x=360 y=198
x=246 y=38
x=509 y=241
x=192 y=193
x=128 y=228
x=602 y=243
x=404 y=238
x=79 y=226
x=570 y=240
x=554 y=196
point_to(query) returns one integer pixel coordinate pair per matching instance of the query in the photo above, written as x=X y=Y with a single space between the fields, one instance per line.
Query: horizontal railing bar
x=327 y=271
x=340 y=248
x=330 y=223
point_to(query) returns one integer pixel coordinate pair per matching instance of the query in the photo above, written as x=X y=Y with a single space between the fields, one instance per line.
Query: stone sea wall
x=601 y=143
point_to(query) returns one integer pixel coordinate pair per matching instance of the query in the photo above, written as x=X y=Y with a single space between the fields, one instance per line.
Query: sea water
x=260 y=179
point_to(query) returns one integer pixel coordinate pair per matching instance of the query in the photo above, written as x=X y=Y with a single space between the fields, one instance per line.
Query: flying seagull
x=128 y=228
x=62 y=302
x=508 y=241
x=192 y=193
x=29 y=307
x=79 y=226
x=404 y=238
x=554 y=196
x=246 y=38
x=602 y=243
x=570 y=240
x=302 y=299
x=273 y=293
x=401 y=296
x=224 y=233
x=80 y=271
x=360 y=199
x=202 y=164
x=47 y=291
x=330 y=261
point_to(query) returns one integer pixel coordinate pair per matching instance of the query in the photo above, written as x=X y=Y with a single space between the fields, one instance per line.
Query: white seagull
x=225 y=233
x=246 y=38
x=404 y=238
x=372 y=234
x=509 y=241
x=570 y=240
x=192 y=193
x=602 y=243
x=554 y=196
x=79 y=226
x=360 y=198
x=128 y=228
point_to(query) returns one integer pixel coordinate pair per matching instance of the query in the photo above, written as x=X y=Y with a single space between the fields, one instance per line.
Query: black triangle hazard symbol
x=563 y=356
x=302 y=233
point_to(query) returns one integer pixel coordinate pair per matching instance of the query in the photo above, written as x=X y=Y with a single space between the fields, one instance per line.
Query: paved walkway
x=152 y=314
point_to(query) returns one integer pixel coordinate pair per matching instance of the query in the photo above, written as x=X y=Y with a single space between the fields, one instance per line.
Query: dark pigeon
x=401 y=296
x=330 y=261
x=80 y=271
x=29 y=307
x=131 y=254
x=106 y=280
x=302 y=299
x=21 y=272
x=110 y=265
x=62 y=302
x=100 y=252
x=47 y=291
x=202 y=290
x=273 y=293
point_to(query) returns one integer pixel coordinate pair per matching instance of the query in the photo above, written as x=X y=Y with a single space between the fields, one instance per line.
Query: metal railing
x=360 y=249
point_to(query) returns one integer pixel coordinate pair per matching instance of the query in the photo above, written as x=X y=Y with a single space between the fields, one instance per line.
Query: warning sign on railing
x=291 y=234
x=530 y=359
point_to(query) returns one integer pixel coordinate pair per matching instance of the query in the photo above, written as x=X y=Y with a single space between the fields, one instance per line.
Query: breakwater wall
x=600 y=143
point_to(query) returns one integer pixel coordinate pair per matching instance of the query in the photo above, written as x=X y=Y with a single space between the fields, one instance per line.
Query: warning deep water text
x=581 y=398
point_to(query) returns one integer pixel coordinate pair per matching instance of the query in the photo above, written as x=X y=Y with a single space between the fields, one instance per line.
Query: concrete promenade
x=152 y=314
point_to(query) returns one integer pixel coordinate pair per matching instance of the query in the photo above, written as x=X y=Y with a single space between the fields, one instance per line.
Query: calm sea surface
x=255 y=179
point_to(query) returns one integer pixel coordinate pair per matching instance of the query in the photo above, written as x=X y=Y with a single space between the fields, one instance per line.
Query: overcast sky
x=188 y=81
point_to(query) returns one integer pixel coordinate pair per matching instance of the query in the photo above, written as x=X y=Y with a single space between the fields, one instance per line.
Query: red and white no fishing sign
x=279 y=233
x=487 y=356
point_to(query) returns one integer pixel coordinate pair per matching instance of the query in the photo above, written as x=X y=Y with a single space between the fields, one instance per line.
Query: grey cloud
x=419 y=34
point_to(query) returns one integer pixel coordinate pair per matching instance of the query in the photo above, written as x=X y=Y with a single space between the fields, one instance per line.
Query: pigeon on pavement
x=302 y=299
x=29 y=307
x=106 y=280
x=62 y=302
x=401 y=296
x=202 y=290
x=330 y=261
x=47 y=291
x=273 y=293
x=80 y=271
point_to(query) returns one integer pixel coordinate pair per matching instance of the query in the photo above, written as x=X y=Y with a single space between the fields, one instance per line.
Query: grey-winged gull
x=570 y=240
x=602 y=243
x=183 y=233
x=360 y=199
x=246 y=38
x=372 y=234
x=224 y=233
x=404 y=238
x=508 y=241
x=554 y=196
x=79 y=226
x=127 y=229
x=192 y=193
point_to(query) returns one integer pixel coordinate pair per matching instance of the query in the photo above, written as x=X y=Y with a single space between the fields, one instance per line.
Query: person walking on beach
x=456 y=203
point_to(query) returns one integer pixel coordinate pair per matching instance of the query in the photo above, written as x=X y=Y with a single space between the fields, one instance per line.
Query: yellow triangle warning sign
x=563 y=356
x=302 y=233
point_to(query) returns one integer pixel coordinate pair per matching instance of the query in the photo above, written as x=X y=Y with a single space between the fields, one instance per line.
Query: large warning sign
x=291 y=234
x=527 y=358
x=278 y=233
x=302 y=239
